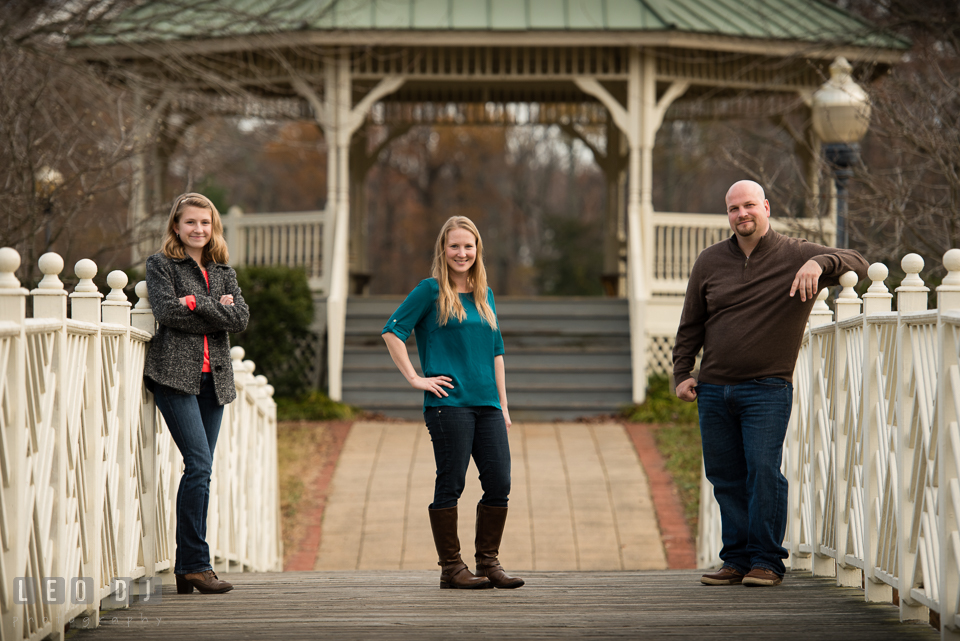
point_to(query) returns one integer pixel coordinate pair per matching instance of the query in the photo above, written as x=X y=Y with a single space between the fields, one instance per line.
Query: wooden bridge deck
x=553 y=605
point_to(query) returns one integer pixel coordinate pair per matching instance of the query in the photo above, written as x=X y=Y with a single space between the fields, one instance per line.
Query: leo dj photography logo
x=56 y=590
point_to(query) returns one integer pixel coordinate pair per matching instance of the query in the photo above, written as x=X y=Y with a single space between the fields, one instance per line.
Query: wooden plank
x=410 y=605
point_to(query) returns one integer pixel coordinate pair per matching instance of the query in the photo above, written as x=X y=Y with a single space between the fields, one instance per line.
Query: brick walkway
x=580 y=501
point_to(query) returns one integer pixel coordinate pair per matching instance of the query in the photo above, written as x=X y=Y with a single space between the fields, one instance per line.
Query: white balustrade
x=872 y=451
x=679 y=238
x=294 y=239
x=88 y=471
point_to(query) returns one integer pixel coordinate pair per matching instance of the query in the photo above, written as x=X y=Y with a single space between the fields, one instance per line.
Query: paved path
x=580 y=501
x=552 y=605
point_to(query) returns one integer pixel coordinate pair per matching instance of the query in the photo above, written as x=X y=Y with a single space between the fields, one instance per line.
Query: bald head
x=748 y=210
x=749 y=186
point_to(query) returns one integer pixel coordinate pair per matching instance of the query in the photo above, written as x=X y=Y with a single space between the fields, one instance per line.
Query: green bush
x=572 y=262
x=661 y=406
x=315 y=406
x=278 y=337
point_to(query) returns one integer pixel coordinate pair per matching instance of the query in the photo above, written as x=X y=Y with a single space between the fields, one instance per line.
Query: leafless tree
x=64 y=136
x=70 y=127
x=907 y=192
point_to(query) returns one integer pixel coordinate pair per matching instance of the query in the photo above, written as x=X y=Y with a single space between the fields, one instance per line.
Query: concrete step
x=356 y=378
x=592 y=325
x=595 y=399
x=383 y=306
x=566 y=358
x=517 y=415
x=586 y=359
x=515 y=340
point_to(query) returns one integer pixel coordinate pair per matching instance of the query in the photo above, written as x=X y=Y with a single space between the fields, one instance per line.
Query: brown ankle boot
x=490 y=522
x=454 y=572
x=206 y=582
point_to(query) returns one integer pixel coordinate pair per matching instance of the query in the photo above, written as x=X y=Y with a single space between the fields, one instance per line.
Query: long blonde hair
x=215 y=250
x=448 y=302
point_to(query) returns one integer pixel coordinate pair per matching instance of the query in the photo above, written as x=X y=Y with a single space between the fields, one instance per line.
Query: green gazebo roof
x=796 y=20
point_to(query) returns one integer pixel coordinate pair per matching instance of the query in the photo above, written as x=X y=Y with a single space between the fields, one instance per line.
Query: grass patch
x=314 y=406
x=679 y=444
x=678 y=439
x=303 y=447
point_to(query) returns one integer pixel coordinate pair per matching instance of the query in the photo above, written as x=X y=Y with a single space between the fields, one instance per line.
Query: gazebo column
x=615 y=232
x=359 y=261
x=361 y=161
x=339 y=267
x=339 y=120
x=613 y=163
x=151 y=110
x=639 y=123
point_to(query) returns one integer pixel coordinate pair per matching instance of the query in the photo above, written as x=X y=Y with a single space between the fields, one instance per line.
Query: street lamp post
x=47 y=180
x=841 y=116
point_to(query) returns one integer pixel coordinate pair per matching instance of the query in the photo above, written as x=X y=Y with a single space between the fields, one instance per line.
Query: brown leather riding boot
x=490 y=522
x=206 y=582
x=454 y=572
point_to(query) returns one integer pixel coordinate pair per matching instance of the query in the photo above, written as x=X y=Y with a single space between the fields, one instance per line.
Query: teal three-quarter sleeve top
x=463 y=351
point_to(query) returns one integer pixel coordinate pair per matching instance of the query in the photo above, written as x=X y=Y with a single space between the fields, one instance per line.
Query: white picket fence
x=88 y=472
x=872 y=453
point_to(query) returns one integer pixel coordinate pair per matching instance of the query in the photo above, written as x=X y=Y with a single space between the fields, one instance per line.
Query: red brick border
x=306 y=555
x=678 y=541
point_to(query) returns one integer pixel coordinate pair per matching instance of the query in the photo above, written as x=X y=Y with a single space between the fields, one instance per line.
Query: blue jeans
x=459 y=432
x=194 y=424
x=742 y=427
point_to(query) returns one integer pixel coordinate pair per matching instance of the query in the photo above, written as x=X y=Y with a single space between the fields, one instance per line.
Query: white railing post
x=948 y=415
x=846 y=469
x=140 y=414
x=85 y=307
x=911 y=298
x=820 y=437
x=50 y=420
x=272 y=536
x=16 y=517
x=164 y=474
x=820 y=314
x=794 y=461
x=124 y=445
x=234 y=235
x=875 y=398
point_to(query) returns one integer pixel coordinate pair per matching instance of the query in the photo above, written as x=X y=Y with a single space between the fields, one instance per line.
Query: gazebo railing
x=872 y=453
x=679 y=238
x=294 y=239
x=88 y=472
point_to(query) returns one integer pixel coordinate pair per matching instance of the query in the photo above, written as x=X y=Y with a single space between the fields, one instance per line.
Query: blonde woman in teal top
x=464 y=398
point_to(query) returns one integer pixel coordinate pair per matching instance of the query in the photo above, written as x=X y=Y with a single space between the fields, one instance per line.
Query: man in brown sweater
x=746 y=305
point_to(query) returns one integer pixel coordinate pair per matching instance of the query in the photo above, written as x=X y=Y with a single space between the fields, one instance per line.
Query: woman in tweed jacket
x=196 y=301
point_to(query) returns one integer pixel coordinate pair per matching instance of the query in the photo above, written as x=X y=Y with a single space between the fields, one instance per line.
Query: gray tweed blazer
x=175 y=355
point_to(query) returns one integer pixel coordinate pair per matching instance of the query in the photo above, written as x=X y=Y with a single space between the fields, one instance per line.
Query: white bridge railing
x=872 y=453
x=88 y=472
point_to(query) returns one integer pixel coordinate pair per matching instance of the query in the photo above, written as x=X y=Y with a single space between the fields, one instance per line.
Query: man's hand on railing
x=807 y=280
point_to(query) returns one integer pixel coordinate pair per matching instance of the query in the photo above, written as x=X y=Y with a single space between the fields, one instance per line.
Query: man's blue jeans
x=194 y=423
x=459 y=432
x=742 y=427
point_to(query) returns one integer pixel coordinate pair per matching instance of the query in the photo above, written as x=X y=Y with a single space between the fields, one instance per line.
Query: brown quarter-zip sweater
x=740 y=311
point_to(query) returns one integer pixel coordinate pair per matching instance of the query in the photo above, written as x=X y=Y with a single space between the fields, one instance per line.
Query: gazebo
x=619 y=62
